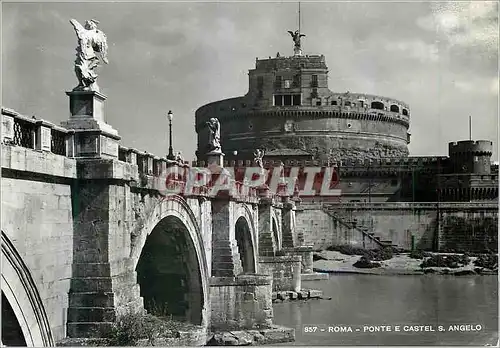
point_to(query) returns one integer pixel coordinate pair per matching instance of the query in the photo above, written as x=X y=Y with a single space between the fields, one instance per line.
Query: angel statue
x=296 y=39
x=214 y=135
x=258 y=155
x=179 y=158
x=91 y=41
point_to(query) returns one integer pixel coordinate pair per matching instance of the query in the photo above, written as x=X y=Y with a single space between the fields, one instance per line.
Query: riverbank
x=399 y=264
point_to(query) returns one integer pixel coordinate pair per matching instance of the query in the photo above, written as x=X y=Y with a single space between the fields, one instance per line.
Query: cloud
x=416 y=49
x=472 y=23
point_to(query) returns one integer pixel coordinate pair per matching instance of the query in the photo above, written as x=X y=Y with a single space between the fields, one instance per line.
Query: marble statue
x=258 y=155
x=296 y=39
x=92 y=45
x=179 y=158
x=214 y=135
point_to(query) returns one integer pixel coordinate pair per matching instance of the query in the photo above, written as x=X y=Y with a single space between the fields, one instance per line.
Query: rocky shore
x=399 y=264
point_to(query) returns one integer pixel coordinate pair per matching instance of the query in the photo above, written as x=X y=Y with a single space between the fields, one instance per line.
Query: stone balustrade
x=36 y=134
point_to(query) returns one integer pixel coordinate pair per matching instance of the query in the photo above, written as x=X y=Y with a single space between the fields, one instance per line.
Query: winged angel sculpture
x=92 y=44
x=296 y=39
x=214 y=135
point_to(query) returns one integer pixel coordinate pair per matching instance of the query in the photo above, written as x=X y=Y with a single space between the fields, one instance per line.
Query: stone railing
x=151 y=167
x=147 y=163
x=31 y=133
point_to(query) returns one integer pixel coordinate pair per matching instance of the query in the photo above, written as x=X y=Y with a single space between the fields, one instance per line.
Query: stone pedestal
x=93 y=136
x=215 y=158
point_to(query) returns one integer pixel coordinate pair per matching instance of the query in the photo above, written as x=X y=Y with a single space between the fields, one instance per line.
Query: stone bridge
x=88 y=236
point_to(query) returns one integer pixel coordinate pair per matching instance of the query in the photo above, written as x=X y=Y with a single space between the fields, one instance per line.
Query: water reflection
x=363 y=300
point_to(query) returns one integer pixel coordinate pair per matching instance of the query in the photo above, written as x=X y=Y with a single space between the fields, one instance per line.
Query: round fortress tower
x=471 y=157
x=289 y=107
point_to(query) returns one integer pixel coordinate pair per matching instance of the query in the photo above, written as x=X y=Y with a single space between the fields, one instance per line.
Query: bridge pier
x=103 y=283
x=241 y=303
x=268 y=231
x=288 y=225
x=226 y=260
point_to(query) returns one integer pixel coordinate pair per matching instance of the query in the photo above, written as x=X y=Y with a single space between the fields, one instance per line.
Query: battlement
x=477 y=147
x=415 y=162
x=292 y=62
x=368 y=99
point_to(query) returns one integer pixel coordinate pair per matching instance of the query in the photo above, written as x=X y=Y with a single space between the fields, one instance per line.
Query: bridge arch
x=22 y=305
x=246 y=238
x=169 y=256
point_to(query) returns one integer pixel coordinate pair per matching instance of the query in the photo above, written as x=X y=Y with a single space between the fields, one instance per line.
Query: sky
x=440 y=58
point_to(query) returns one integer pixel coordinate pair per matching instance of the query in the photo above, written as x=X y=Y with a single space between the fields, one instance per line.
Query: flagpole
x=470 y=127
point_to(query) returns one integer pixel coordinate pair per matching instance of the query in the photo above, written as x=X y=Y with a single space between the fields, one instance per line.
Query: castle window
x=334 y=102
x=405 y=112
x=377 y=105
x=394 y=108
x=288 y=83
x=296 y=99
x=347 y=103
x=277 y=82
x=260 y=94
x=296 y=81
x=314 y=93
x=260 y=82
x=278 y=100
x=361 y=103
x=314 y=81
x=318 y=102
x=287 y=99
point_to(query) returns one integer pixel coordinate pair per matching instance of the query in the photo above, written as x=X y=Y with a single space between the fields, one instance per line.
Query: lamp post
x=170 y=155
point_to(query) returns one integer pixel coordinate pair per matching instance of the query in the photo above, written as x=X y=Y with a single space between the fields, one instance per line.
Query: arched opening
x=24 y=320
x=169 y=274
x=377 y=105
x=405 y=112
x=245 y=246
x=12 y=334
x=394 y=108
x=276 y=239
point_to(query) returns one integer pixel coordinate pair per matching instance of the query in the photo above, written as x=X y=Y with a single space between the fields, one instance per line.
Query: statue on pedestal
x=92 y=44
x=214 y=135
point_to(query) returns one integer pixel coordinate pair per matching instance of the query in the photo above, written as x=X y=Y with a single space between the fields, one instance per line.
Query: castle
x=290 y=113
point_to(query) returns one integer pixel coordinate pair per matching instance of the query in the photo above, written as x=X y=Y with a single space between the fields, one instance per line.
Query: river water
x=361 y=301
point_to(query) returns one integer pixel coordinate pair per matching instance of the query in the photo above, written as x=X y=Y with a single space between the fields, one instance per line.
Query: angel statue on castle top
x=92 y=45
x=296 y=39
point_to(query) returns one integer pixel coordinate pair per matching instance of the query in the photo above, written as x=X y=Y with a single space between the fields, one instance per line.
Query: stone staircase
x=342 y=218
